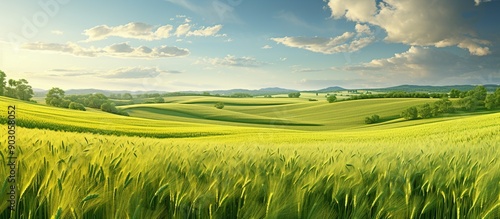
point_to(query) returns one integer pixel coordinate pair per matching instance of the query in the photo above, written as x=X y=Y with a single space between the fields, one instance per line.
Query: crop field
x=299 y=114
x=256 y=158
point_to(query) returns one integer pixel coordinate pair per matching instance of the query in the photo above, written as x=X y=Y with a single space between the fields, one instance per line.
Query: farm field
x=256 y=158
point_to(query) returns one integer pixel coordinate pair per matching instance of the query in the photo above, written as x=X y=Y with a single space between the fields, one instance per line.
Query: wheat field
x=443 y=169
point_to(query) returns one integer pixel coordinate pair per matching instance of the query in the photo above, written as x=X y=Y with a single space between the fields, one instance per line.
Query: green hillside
x=285 y=113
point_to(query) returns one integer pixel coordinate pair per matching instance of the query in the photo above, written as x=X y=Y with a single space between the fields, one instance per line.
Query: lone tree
x=219 y=105
x=294 y=95
x=331 y=98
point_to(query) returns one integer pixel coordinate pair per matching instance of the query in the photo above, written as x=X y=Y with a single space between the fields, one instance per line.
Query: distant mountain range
x=277 y=90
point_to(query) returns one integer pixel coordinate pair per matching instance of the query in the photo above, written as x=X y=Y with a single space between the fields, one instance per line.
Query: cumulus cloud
x=363 y=29
x=427 y=63
x=230 y=60
x=182 y=30
x=142 y=31
x=116 y=50
x=205 y=31
x=133 y=30
x=419 y=23
x=326 y=45
x=137 y=72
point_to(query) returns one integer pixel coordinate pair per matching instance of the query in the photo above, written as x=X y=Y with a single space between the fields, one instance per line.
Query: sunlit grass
x=445 y=169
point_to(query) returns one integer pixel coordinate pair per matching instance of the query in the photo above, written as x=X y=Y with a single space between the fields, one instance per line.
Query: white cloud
x=123 y=50
x=205 y=31
x=299 y=69
x=137 y=72
x=363 y=29
x=267 y=47
x=326 y=45
x=420 y=23
x=182 y=30
x=427 y=64
x=230 y=60
x=142 y=31
x=133 y=30
x=480 y=1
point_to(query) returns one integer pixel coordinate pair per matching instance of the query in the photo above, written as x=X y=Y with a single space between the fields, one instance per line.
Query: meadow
x=256 y=158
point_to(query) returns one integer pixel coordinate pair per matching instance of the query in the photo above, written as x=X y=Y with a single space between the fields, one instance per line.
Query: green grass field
x=256 y=158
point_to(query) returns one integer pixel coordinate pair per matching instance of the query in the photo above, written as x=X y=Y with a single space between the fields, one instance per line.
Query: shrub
x=373 y=119
x=219 y=105
x=331 y=98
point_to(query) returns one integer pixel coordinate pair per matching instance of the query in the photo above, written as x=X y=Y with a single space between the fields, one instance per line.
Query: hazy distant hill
x=277 y=90
x=330 y=89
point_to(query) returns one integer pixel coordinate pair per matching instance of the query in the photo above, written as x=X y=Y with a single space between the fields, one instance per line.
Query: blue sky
x=174 y=45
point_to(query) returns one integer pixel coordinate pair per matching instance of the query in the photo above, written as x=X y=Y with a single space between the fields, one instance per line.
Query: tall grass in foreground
x=71 y=175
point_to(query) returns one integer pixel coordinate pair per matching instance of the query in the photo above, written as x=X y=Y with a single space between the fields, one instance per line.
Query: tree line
x=469 y=101
x=399 y=95
x=56 y=97
x=17 y=89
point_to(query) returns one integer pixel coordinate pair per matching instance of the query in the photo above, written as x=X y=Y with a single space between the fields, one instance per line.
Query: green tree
x=425 y=111
x=444 y=106
x=294 y=95
x=127 y=96
x=76 y=106
x=410 y=113
x=493 y=100
x=490 y=102
x=454 y=93
x=96 y=100
x=10 y=91
x=331 y=98
x=109 y=107
x=19 y=89
x=3 y=83
x=159 y=100
x=24 y=91
x=54 y=97
x=219 y=105
x=468 y=103
x=373 y=119
x=479 y=93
